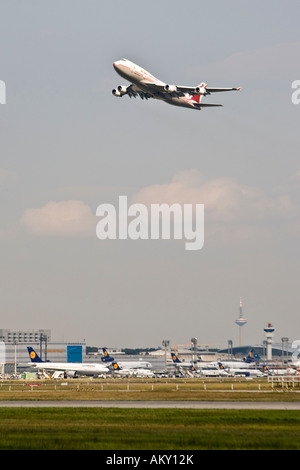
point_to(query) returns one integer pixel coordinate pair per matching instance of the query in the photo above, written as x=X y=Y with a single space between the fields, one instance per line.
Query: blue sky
x=68 y=144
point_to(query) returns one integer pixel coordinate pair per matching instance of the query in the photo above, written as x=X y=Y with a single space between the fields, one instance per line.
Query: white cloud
x=224 y=198
x=64 y=218
x=233 y=211
x=230 y=207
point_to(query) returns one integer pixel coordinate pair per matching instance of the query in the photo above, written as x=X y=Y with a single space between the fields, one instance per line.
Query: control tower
x=241 y=321
x=269 y=333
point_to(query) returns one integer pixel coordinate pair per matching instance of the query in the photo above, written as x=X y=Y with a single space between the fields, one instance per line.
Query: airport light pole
x=194 y=342
x=165 y=344
x=43 y=338
x=284 y=350
x=15 y=343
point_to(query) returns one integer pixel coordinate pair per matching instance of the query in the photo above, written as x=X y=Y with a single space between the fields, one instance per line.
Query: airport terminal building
x=14 y=354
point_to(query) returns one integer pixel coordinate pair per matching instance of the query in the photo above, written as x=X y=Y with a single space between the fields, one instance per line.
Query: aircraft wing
x=203 y=89
x=178 y=90
x=172 y=90
x=154 y=90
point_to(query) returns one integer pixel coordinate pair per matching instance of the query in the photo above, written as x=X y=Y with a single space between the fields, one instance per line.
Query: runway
x=199 y=405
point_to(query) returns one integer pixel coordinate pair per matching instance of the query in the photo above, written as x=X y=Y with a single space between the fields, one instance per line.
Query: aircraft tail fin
x=34 y=357
x=197 y=98
x=106 y=357
x=175 y=358
x=252 y=357
x=116 y=366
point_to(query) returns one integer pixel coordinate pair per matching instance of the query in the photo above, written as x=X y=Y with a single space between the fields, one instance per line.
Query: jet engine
x=201 y=89
x=122 y=89
x=70 y=373
x=116 y=92
x=171 y=88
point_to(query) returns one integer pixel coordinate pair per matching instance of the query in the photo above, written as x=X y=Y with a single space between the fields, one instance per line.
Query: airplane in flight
x=146 y=86
x=70 y=369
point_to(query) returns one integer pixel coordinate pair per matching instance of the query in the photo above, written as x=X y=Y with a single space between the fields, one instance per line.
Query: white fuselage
x=245 y=372
x=134 y=372
x=134 y=73
x=135 y=365
x=237 y=364
x=212 y=372
x=75 y=368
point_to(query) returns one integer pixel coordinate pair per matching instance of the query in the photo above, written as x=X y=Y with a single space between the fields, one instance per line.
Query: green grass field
x=139 y=389
x=147 y=429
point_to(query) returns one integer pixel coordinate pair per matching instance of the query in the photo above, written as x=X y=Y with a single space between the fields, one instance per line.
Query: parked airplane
x=211 y=372
x=122 y=371
x=127 y=364
x=211 y=369
x=147 y=86
x=248 y=362
x=143 y=373
x=70 y=369
x=134 y=364
x=202 y=368
x=245 y=372
x=288 y=371
x=129 y=371
x=179 y=363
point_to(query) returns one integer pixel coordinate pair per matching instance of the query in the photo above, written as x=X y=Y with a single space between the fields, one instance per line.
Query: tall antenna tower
x=240 y=321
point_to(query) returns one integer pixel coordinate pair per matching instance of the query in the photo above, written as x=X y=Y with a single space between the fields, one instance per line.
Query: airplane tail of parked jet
x=106 y=357
x=178 y=362
x=252 y=357
x=34 y=357
x=175 y=358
